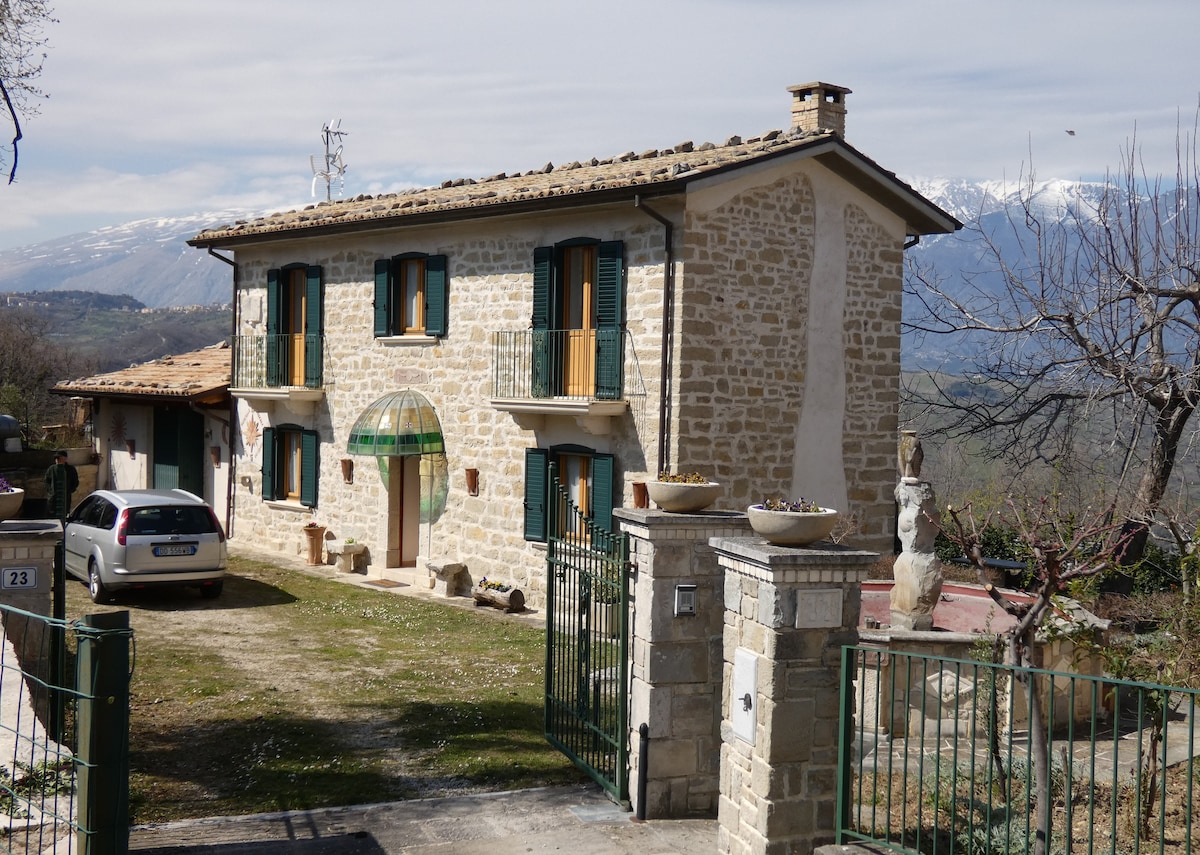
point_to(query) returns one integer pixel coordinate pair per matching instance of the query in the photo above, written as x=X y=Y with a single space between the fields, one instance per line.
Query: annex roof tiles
x=200 y=374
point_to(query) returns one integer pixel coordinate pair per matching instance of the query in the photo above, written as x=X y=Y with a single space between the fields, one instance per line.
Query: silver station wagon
x=119 y=539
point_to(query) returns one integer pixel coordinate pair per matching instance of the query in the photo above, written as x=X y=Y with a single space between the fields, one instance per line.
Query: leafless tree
x=22 y=51
x=30 y=364
x=1059 y=553
x=1089 y=328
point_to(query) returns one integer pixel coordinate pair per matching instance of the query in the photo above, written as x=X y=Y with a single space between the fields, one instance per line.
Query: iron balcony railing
x=278 y=361
x=565 y=365
x=936 y=756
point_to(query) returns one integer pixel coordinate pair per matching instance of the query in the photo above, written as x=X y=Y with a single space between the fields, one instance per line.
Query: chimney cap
x=817 y=84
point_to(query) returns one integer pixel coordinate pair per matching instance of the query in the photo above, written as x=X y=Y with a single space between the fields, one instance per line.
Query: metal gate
x=587 y=642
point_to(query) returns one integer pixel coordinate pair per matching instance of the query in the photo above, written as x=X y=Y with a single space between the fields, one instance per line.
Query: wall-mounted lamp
x=214 y=451
x=472 y=482
x=348 y=470
x=131 y=447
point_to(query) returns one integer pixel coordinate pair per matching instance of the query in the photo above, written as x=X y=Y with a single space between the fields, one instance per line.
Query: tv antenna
x=335 y=167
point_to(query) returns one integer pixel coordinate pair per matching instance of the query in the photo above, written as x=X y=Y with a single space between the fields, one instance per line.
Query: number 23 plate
x=18 y=577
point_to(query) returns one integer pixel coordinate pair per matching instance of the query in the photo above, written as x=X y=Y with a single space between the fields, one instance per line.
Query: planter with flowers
x=499 y=594
x=11 y=499
x=683 y=494
x=315 y=535
x=787 y=523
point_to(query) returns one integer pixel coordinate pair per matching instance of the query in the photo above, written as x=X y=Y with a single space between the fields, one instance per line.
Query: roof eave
x=588 y=198
x=202 y=396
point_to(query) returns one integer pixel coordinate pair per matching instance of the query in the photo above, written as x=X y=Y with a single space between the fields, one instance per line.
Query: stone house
x=408 y=366
x=163 y=424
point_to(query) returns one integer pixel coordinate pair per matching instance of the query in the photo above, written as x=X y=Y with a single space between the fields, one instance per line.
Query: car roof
x=144 y=498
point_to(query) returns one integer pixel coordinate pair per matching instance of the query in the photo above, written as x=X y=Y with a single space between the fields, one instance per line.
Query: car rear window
x=172 y=519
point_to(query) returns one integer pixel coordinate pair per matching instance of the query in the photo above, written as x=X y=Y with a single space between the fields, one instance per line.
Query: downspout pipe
x=668 y=331
x=231 y=481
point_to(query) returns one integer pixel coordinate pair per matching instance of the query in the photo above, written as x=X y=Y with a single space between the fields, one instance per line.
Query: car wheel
x=100 y=594
x=211 y=592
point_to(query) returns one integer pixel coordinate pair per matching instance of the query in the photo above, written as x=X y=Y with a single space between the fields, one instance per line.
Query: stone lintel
x=791 y=565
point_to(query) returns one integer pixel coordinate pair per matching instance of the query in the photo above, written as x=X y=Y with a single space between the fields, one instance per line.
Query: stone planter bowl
x=679 y=498
x=789 y=528
x=10 y=503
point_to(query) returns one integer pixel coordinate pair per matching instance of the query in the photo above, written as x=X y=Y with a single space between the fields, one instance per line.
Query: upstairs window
x=411 y=295
x=295 y=319
x=289 y=470
x=578 y=317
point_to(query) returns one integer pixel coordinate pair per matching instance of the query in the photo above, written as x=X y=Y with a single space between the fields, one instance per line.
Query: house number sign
x=18 y=577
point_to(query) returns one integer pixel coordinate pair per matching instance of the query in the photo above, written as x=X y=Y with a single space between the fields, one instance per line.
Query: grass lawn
x=292 y=691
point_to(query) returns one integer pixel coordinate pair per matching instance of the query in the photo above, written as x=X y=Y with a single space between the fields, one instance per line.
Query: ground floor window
x=585 y=474
x=290 y=458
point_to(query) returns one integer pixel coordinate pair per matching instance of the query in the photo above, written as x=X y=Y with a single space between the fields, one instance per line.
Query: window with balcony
x=295 y=316
x=578 y=309
x=289 y=466
x=586 y=475
x=411 y=295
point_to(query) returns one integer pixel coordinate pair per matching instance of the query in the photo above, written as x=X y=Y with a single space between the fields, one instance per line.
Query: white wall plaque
x=818 y=609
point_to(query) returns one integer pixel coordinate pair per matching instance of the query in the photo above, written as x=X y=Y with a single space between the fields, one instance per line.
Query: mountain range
x=150 y=260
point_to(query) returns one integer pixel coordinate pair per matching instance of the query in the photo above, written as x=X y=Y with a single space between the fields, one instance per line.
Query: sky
x=163 y=108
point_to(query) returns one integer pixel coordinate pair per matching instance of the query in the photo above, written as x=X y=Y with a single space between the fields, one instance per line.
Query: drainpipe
x=231 y=481
x=911 y=242
x=668 y=333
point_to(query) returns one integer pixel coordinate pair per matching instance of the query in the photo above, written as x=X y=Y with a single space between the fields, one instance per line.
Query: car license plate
x=175 y=549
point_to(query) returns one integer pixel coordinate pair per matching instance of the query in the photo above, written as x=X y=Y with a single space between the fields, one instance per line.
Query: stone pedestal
x=788 y=613
x=344 y=555
x=917 y=570
x=449 y=580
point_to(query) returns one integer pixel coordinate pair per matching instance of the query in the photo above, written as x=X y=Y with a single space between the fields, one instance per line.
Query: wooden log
x=511 y=600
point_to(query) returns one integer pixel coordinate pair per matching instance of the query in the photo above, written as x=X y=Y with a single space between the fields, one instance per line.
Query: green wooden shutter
x=543 y=272
x=383 y=314
x=610 y=294
x=310 y=442
x=314 y=321
x=268 y=463
x=536 y=470
x=274 y=315
x=437 y=296
x=602 y=490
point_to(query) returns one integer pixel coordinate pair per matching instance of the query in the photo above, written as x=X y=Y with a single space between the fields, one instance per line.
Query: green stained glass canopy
x=397 y=425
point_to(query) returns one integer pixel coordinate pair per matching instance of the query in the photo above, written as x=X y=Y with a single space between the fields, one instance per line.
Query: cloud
x=178 y=105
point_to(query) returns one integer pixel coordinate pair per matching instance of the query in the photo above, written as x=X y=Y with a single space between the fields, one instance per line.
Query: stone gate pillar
x=675 y=678
x=788 y=612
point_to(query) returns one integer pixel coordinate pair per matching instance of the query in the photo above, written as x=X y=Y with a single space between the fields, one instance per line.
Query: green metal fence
x=64 y=734
x=937 y=757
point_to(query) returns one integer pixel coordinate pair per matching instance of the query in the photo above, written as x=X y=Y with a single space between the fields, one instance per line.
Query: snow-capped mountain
x=146 y=259
x=151 y=261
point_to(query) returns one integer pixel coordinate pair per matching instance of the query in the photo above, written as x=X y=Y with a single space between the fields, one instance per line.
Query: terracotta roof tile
x=628 y=171
x=198 y=374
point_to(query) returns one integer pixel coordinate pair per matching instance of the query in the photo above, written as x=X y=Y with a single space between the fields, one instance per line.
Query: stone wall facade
x=751 y=256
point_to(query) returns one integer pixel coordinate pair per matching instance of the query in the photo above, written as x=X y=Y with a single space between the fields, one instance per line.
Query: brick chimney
x=819 y=107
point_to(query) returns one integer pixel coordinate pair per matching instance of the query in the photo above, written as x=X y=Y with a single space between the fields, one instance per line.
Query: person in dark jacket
x=62 y=480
